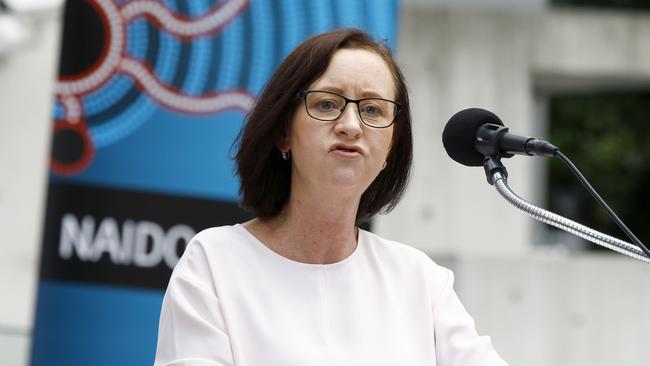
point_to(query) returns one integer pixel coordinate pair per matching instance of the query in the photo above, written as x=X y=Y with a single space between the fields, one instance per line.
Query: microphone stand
x=498 y=176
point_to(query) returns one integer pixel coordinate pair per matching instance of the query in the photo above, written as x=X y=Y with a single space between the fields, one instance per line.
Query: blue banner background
x=134 y=142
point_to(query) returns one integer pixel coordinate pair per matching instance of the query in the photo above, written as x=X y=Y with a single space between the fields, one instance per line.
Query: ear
x=283 y=143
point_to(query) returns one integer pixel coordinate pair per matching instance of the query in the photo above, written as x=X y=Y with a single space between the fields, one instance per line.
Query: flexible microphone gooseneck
x=477 y=137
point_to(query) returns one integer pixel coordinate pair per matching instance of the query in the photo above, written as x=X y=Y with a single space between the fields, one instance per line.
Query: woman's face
x=343 y=155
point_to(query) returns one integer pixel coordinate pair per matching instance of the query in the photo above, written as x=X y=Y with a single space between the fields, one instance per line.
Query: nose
x=349 y=123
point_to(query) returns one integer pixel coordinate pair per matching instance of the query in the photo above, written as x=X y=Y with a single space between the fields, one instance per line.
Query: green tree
x=620 y=4
x=606 y=136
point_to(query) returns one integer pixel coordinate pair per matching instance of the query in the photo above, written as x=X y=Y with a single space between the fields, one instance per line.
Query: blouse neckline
x=280 y=258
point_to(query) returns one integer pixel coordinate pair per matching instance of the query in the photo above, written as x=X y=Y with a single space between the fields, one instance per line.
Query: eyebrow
x=364 y=93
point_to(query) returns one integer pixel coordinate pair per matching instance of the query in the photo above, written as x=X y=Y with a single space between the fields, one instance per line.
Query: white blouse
x=233 y=301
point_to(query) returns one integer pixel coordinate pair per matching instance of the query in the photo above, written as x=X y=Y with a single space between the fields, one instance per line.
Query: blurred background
x=575 y=72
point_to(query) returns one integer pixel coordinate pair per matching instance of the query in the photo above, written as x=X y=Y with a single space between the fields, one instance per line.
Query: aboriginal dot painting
x=152 y=90
x=150 y=96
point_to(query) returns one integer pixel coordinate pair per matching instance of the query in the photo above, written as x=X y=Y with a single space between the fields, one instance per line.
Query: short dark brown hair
x=266 y=177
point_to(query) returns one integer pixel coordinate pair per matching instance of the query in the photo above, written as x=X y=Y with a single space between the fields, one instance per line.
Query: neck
x=313 y=228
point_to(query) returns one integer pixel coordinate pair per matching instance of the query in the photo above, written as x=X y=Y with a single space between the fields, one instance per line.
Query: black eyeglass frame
x=303 y=94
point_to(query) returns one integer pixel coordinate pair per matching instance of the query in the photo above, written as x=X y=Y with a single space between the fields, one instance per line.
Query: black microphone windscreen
x=459 y=135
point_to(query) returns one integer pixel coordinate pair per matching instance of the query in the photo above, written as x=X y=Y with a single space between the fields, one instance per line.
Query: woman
x=327 y=145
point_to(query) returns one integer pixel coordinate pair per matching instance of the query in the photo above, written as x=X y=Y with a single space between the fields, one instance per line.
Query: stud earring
x=285 y=155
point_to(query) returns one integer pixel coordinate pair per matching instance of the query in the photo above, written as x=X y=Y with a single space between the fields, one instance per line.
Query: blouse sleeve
x=191 y=329
x=457 y=342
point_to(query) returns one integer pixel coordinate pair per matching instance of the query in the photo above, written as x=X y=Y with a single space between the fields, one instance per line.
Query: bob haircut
x=266 y=177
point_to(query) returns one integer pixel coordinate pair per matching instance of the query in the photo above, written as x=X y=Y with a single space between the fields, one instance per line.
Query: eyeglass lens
x=329 y=106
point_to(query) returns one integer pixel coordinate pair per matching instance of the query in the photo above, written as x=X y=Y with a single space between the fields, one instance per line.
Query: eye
x=371 y=110
x=326 y=105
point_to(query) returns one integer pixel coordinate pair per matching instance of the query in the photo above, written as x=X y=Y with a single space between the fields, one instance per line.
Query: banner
x=150 y=96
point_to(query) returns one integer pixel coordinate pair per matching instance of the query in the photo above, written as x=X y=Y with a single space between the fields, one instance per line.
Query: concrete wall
x=26 y=99
x=583 y=310
x=540 y=307
x=456 y=59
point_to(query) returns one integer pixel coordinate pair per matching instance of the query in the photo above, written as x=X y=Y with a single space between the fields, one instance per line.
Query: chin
x=349 y=181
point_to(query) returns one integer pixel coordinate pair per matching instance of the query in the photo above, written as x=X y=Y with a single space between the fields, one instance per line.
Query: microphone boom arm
x=497 y=175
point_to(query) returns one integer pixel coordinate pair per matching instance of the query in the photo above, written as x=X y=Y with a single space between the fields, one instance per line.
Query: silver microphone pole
x=497 y=175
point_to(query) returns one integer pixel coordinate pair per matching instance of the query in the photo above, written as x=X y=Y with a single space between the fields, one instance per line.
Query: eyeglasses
x=328 y=106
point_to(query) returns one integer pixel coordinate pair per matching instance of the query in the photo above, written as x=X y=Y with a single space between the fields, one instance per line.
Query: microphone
x=476 y=137
x=473 y=134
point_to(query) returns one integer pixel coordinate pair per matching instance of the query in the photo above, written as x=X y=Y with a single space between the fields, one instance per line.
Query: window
x=608 y=138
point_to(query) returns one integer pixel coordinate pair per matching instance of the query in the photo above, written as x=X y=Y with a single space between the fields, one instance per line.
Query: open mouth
x=347 y=152
x=346 y=149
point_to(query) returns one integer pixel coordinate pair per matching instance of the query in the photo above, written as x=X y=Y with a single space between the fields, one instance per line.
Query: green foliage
x=606 y=136
x=618 y=4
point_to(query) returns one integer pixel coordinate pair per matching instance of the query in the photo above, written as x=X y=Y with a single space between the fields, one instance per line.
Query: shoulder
x=215 y=235
x=204 y=250
x=402 y=255
x=409 y=265
x=208 y=240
